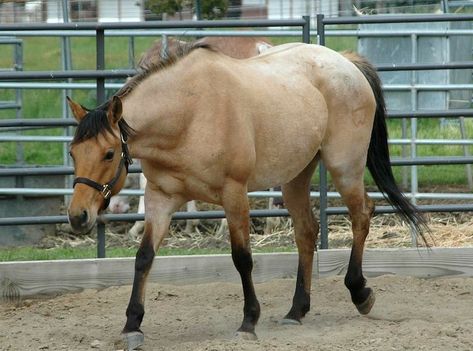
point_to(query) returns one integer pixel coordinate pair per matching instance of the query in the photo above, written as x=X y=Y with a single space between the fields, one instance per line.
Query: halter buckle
x=106 y=191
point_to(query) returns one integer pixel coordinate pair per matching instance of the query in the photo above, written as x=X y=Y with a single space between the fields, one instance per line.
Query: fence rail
x=100 y=74
x=322 y=22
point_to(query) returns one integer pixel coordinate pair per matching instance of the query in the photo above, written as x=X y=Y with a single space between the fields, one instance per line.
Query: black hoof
x=365 y=306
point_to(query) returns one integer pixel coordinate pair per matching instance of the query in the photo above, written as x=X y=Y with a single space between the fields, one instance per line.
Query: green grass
x=37 y=254
x=44 y=54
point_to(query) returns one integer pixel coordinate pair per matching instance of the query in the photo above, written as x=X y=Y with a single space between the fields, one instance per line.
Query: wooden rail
x=26 y=279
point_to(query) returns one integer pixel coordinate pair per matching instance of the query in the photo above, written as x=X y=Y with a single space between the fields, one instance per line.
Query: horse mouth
x=82 y=222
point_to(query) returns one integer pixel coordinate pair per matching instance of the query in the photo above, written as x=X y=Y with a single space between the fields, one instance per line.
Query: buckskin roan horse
x=204 y=124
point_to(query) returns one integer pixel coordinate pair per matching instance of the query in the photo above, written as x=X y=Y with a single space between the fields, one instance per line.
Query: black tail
x=378 y=161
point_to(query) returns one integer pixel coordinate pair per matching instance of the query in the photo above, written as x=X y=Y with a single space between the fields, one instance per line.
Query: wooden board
x=57 y=277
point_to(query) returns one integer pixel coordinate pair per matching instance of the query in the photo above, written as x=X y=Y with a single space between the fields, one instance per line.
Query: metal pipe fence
x=246 y=33
x=100 y=74
x=322 y=22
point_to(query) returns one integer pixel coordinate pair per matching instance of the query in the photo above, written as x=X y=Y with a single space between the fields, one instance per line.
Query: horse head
x=101 y=158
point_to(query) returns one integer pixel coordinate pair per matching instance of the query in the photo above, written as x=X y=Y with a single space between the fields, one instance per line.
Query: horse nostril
x=84 y=217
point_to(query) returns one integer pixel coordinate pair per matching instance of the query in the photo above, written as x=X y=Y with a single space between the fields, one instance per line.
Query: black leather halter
x=106 y=189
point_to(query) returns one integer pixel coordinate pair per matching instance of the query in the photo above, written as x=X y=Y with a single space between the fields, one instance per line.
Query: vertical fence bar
x=414 y=98
x=306 y=30
x=131 y=52
x=18 y=66
x=100 y=240
x=100 y=50
x=66 y=66
x=198 y=9
x=466 y=152
x=414 y=92
x=322 y=170
x=320 y=29
x=19 y=152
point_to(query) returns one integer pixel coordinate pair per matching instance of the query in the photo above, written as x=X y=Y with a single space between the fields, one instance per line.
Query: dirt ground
x=410 y=314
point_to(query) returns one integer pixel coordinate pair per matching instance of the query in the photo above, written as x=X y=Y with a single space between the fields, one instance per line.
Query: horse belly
x=281 y=169
x=287 y=142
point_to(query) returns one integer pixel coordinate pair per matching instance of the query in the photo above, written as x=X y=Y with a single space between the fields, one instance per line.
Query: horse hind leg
x=349 y=184
x=296 y=195
x=138 y=227
x=362 y=296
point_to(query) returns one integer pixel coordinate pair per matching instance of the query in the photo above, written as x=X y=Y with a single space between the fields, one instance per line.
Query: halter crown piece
x=106 y=189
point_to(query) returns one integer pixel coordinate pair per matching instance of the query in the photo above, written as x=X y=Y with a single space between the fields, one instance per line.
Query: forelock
x=95 y=122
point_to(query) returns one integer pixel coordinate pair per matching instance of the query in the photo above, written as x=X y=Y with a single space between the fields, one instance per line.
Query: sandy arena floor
x=410 y=314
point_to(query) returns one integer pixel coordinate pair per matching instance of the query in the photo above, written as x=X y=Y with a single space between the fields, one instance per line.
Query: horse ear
x=115 y=110
x=77 y=110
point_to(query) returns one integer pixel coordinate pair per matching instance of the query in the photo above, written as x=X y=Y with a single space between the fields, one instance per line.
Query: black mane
x=96 y=122
x=170 y=60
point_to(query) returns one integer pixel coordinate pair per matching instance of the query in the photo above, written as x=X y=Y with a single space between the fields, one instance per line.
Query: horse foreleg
x=296 y=195
x=135 y=311
x=159 y=210
x=235 y=204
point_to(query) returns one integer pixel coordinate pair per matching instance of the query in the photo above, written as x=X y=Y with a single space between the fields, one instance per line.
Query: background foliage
x=210 y=9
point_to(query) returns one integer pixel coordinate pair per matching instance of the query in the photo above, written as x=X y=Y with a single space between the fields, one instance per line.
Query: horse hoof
x=246 y=335
x=365 y=307
x=133 y=340
x=289 y=321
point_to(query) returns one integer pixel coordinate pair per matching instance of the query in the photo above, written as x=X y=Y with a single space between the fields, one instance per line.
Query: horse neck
x=161 y=106
x=151 y=110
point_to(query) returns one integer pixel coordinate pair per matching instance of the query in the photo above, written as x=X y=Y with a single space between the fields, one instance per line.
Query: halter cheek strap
x=106 y=189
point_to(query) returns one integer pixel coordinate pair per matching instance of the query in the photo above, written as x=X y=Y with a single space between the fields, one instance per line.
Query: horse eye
x=109 y=155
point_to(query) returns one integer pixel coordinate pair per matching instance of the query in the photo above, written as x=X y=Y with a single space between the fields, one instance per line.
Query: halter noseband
x=106 y=189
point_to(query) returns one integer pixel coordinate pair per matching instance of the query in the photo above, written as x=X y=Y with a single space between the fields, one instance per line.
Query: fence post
x=306 y=30
x=100 y=240
x=100 y=52
x=322 y=169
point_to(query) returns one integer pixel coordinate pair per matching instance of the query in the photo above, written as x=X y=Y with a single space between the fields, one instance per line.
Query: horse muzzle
x=81 y=221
